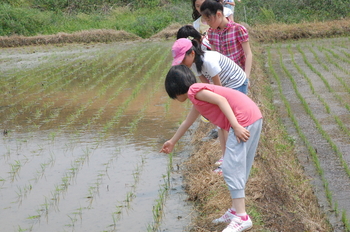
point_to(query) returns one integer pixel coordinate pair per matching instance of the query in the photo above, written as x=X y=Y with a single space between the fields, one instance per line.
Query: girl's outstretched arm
x=168 y=146
x=241 y=133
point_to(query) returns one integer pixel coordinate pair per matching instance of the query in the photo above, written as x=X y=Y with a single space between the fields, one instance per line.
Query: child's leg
x=222 y=138
x=238 y=161
x=239 y=205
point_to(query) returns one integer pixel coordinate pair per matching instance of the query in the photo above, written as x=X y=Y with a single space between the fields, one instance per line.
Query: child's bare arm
x=168 y=146
x=203 y=79
x=249 y=58
x=216 y=80
x=241 y=133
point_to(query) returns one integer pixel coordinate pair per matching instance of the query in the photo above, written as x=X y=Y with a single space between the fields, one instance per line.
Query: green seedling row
x=318 y=125
x=136 y=89
x=75 y=116
x=327 y=107
x=140 y=115
x=20 y=78
x=52 y=201
x=129 y=196
x=160 y=201
x=299 y=130
x=63 y=73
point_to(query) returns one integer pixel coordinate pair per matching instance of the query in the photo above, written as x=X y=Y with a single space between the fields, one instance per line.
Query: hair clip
x=190 y=38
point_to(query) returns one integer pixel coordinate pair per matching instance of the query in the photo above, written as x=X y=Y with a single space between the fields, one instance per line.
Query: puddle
x=81 y=130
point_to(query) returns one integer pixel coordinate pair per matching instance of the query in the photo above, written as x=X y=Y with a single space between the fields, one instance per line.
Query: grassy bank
x=279 y=195
x=146 y=18
x=261 y=33
x=142 y=21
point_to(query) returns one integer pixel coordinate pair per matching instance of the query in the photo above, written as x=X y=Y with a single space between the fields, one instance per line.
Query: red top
x=245 y=110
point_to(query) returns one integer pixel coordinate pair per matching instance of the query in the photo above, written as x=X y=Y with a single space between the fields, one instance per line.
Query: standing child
x=199 y=24
x=226 y=36
x=210 y=67
x=230 y=4
x=233 y=111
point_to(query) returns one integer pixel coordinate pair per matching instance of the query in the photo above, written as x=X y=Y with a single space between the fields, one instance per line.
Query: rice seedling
x=22 y=192
x=15 y=167
x=160 y=201
x=73 y=220
x=345 y=220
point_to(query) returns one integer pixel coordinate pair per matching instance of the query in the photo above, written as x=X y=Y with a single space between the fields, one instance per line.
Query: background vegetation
x=147 y=17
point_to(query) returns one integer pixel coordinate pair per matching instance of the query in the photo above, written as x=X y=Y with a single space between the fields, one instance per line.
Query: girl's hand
x=241 y=133
x=168 y=146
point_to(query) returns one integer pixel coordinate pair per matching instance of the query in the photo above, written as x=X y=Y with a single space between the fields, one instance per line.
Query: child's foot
x=219 y=162
x=218 y=170
x=226 y=218
x=213 y=134
x=238 y=225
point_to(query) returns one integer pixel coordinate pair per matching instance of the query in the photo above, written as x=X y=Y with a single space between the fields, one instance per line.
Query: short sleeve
x=242 y=34
x=194 y=89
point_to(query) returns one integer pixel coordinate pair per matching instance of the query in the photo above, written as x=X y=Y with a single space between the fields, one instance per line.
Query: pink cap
x=179 y=49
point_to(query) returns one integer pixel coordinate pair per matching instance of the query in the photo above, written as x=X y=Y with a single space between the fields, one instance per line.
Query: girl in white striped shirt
x=209 y=66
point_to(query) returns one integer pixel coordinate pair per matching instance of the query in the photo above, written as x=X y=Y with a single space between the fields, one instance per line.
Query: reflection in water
x=84 y=130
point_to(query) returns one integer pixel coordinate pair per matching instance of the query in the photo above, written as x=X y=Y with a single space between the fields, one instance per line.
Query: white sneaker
x=227 y=217
x=219 y=162
x=218 y=170
x=238 y=225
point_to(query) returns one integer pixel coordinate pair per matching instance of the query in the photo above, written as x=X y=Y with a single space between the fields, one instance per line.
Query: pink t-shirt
x=245 y=110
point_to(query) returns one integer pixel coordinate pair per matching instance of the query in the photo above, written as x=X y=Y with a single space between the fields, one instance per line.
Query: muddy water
x=81 y=127
x=314 y=79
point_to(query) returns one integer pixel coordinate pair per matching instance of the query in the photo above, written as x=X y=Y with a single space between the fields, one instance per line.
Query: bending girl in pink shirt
x=233 y=111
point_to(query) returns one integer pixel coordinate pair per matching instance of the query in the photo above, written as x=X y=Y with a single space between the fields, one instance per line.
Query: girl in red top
x=233 y=111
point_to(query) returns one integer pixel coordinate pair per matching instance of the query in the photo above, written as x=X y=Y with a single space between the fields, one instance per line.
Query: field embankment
x=261 y=33
x=278 y=32
x=300 y=179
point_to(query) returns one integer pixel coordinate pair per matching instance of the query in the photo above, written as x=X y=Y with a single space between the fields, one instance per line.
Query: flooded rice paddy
x=81 y=130
x=81 y=127
x=311 y=82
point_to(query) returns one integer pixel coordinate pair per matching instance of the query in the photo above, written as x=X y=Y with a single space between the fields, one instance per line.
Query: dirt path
x=312 y=86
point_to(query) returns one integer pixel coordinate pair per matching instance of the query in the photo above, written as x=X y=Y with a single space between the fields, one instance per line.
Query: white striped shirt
x=214 y=63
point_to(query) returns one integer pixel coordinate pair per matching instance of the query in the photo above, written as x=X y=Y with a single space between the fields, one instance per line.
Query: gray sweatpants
x=238 y=159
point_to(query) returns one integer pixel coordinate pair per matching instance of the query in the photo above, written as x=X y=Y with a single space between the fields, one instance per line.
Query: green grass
x=146 y=18
x=143 y=22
